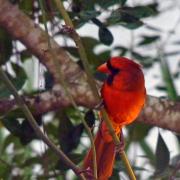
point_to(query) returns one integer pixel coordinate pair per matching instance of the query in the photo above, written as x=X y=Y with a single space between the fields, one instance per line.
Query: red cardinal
x=123 y=95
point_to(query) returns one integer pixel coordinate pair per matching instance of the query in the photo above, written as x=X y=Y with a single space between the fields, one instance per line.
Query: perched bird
x=123 y=95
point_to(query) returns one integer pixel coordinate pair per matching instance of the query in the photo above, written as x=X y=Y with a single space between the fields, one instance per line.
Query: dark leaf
x=20 y=76
x=105 y=36
x=23 y=130
x=146 y=61
x=176 y=74
x=75 y=157
x=69 y=135
x=148 y=40
x=139 y=11
x=105 y=4
x=123 y=2
x=97 y=22
x=83 y=17
x=161 y=88
x=103 y=56
x=12 y=125
x=136 y=168
x=90 y=118
x=76 y=6
x=72 y=50
x=138 y=131
x=115 y=174
x=49 y=80
x=162 y=155
x=28 y=133
x=5 y=46
x=122 y=49
x=25 y=54
x=122 y=18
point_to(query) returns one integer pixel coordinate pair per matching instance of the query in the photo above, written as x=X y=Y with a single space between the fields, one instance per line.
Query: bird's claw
x=99 y=105
x=120 y=147
x=88 y=173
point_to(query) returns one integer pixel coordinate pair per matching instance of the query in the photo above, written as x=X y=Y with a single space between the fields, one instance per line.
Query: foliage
x=17 y=146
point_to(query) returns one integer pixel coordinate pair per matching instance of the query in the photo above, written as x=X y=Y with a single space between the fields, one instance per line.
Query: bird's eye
x=113 y=70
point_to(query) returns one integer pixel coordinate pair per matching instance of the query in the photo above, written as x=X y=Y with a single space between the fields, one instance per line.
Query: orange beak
x=103 y=68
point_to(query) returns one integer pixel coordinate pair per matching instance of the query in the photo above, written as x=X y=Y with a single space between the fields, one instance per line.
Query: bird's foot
x=120 y=147
x=88 y=173
x=99 y=105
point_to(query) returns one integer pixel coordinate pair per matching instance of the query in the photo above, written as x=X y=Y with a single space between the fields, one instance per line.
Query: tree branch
x=159 y=112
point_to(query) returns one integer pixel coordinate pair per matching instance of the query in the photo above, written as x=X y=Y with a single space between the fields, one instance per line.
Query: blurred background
x=146 y=31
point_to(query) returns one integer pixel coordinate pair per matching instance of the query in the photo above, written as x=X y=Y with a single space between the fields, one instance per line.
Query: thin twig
x=35 y=126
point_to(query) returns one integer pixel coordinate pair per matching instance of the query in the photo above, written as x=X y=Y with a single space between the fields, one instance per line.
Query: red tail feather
x=105 y=154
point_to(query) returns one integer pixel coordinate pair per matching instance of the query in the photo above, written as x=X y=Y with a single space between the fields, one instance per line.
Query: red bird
x=123 y=95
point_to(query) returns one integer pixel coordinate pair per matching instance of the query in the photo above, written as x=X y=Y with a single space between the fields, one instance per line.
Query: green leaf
x=123 y=50
x=25 y=54
x=12 y=125
x=21 y=76
x=162 y=155
x=171 y=90
x=5 y=46
x=79 y=19
x=105 y=36
x=115 y=174
x=9 y=139
x=123 y=18
x=105 y=4
x=148 y=40
x=18 y=81
x=147 y=149
x=88 y=15
x=146 y=61
x=69 y=135
x=138 y=131
x=75 y=157
x=122 y=2
x=138 y=11
x=26 y=6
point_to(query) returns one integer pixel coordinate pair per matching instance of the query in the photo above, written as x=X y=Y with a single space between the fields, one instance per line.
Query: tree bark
x=163 y=113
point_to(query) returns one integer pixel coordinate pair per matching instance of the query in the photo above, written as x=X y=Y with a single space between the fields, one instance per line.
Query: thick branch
x=163 y=113
x=158 y=112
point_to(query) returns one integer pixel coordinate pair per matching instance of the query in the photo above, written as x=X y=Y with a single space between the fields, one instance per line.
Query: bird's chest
x=123 y=106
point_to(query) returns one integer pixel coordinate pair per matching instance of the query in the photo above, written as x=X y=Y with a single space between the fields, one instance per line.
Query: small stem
x=124 y=158
x=35 y=126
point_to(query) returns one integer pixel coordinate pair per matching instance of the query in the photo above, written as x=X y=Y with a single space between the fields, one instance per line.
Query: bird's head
x=116 y=64
x=123 y=73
